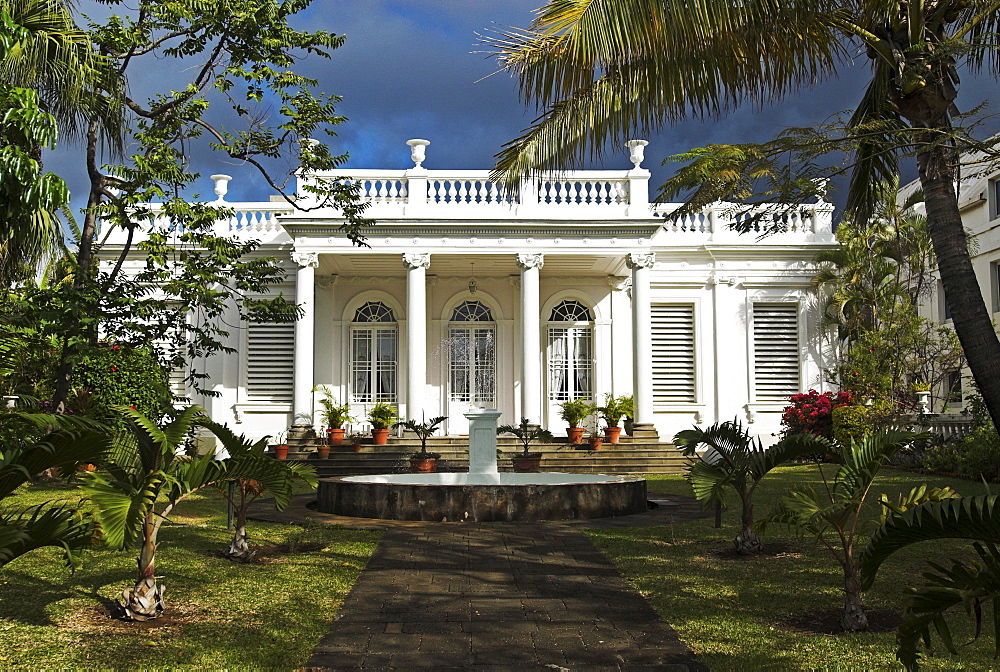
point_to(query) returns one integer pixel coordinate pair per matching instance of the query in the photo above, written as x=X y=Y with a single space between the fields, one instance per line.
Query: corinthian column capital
x=417 y=260
x=306 y=259
x=640 y=260
x=526 y=261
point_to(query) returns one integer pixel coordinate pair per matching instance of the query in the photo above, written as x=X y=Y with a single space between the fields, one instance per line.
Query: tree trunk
x=854 y=617
x=961 y=288
x=747 y=541
x=239 y=547
x=145 y=600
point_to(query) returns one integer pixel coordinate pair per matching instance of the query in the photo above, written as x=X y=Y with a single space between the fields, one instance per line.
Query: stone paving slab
x=496 y=596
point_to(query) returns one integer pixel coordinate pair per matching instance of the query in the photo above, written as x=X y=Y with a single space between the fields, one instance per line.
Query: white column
x=531 y=350
x=416 y=264
x=302 y=376
x=642 y=342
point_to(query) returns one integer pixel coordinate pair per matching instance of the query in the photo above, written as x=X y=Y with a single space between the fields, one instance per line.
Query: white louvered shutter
x=270 y=359
x=673 y=354
x=776 y=350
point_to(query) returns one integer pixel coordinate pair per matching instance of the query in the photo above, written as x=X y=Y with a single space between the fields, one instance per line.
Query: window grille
x=471 y=311
x=570 y=311
x=374 y=354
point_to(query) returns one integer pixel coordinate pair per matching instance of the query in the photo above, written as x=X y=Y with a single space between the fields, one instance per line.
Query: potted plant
x=280 y=448
x=613 y=410
x=423 y=462
x=335 y=416
x=382 y=416
x=526 y=462
x=573 y=412
x=355 y=439
x=323 y=451
x=595 y=440
x=923 y=392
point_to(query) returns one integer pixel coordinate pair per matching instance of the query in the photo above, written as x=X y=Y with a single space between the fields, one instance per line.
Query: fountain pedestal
x=483 y=445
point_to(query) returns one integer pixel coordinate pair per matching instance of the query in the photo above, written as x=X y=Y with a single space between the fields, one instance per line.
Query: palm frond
x=975 y=518
x=62 y=526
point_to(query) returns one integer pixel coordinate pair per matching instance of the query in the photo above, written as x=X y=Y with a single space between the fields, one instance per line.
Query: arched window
x=570 y=352
x=471 y=311
x=472 y=355
x=374 y=353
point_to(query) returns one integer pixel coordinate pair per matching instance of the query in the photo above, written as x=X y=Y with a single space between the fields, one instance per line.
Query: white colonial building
x=576 y=287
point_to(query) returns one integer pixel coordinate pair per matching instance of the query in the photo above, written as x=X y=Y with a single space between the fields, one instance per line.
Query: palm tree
x=734 y=459
x=968 y=582
x=606 y=69
x=834 y=516
x=147 y=473
x=277 y=480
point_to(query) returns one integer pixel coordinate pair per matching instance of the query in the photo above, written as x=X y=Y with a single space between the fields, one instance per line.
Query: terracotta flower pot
x=612 y=434
x=86 y=467
x=335 y=437
x=527 y=464
x=324 y=452
x=423 y=465
x=380 y=437
x=595 y=442
x=356 y=447
x=281 y=452
x=574 y=434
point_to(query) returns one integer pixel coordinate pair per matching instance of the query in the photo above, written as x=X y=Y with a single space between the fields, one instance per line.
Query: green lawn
x=769 y=612
x=220 y=614
x=778 y=611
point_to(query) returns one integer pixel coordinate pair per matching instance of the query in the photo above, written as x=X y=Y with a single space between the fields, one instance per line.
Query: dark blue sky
x=408 y=70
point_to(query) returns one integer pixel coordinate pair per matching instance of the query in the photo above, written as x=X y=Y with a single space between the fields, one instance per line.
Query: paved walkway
x=497 y=596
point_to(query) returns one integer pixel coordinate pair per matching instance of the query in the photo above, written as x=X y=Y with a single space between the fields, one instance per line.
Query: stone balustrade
x=419 y=194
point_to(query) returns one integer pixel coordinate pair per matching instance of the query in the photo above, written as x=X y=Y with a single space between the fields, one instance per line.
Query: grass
x=778 y=611
x=268 y=614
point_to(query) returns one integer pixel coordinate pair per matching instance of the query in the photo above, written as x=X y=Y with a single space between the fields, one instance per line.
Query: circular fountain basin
x=483 y=497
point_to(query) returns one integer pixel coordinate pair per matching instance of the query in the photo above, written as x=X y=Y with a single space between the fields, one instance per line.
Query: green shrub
x=123 y=376
x=851 y=422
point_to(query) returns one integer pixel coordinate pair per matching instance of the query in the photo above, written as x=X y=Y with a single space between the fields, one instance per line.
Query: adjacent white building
x=576 y=287
x=979 y=205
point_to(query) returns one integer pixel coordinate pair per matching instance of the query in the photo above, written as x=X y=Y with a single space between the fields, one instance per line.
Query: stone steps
x=631 y=457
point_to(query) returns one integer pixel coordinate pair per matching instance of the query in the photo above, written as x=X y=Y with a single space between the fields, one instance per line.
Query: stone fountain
x=483 y=494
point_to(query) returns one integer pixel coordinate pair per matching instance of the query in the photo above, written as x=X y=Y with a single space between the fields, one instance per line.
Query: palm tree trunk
x=854 y=617
x=747 y=541
x=239 y=547
x=145 y=600
x=961 y=287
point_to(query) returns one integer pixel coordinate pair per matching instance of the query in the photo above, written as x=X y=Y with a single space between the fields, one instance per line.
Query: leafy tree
x=969 y=583
x=238 y=59
x=281 y=478
x=147 y=472
x=834 y=516
x=735 y=459
x=605 y=69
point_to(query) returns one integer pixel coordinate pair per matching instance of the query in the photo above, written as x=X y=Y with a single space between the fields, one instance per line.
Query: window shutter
x=270 y=359
x=776 y=350
x=673 y=354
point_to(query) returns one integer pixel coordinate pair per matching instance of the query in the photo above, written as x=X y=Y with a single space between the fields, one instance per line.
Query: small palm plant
x=33 y=442
x=423 y=430
x=736 y=460
x=278 y=483
x=335 y=415
x=967 y=583
x=574 y=412
x=834 y=516
x=526 y=433
x=148 y=471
